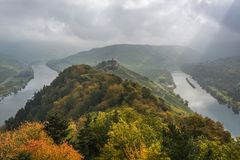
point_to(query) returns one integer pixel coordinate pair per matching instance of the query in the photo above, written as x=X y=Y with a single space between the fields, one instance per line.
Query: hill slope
x=113 y=118
x=159 y=89
x=14 y=75
x=81 y=89
x=143 y=59
x=220 y=77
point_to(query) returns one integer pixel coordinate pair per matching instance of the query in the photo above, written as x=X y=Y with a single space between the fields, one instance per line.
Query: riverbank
x=43 y=75
x=220 y=78
x=16 y=83
x=221 y=97
x=205 y=104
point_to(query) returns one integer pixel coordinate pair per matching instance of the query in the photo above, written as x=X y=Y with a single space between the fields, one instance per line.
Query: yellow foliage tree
x=127 y=141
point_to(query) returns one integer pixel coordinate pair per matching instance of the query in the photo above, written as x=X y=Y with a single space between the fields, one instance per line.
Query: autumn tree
x=31 y=142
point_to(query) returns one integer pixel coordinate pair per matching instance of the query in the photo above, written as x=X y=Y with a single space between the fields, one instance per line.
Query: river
x=203 y=103
x=199 y=100
x=43 y=75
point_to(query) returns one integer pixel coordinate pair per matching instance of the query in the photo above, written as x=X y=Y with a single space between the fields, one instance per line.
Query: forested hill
x=140 y=58
x=153 y=62
x=82 y=89
x=220 y=77
x=164 y=89
x=105 y=117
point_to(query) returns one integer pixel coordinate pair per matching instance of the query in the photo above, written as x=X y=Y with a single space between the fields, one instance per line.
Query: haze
x=57 y=28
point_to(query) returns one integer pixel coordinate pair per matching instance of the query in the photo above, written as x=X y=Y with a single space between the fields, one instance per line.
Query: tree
x=132 y=141
x=42 y=150
x=92 y=136
x=88 y=143
x=56 y=127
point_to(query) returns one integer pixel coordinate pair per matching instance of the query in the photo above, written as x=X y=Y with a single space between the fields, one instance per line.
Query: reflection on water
x=43 y=75
x=203 y=103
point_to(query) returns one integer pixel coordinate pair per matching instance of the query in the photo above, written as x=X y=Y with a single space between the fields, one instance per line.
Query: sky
x=58 y=28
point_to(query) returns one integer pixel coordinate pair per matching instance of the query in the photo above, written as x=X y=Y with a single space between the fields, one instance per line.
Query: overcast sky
x=63 y=27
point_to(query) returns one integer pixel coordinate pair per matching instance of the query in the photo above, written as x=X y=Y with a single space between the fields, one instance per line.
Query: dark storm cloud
x=232 y=18
x=59 y=27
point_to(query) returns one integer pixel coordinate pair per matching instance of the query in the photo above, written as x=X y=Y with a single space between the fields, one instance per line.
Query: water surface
x=203 y=103
x=43 y=75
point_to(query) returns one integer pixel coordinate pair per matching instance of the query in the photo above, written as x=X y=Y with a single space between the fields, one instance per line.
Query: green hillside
x=159 y=89
x=145 y=59
x=221 y=78
x=153 y=62
x=105 y=117
x=81 y=89
x=14 y=75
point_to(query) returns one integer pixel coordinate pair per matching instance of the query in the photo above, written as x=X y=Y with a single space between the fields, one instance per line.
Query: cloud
x=61 y=27
x=231 y=19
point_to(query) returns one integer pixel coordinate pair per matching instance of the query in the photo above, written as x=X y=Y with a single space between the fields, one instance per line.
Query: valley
x=152 y=62
x=203 y=103
x=221 y=78
x=157 y=76
x=119 y=80
x=99 y=114
x=12 y=103
x=148 y=60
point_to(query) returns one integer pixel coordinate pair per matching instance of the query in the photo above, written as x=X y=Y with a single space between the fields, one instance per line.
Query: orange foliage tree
x=30 y=139
x=41 y=150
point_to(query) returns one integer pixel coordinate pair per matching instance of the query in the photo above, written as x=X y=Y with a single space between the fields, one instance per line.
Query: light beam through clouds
x=57 y=28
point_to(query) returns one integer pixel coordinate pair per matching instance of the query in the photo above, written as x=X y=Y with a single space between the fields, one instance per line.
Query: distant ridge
x=136 y=57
